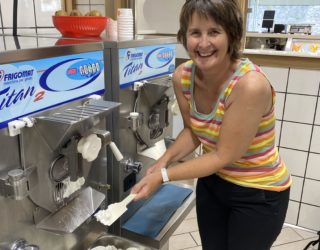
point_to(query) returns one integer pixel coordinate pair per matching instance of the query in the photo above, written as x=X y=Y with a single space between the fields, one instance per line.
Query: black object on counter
x=268 y=18
x=279 y=28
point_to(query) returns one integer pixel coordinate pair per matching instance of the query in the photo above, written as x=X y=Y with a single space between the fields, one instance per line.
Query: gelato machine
x=53 y=168
x=64 y=139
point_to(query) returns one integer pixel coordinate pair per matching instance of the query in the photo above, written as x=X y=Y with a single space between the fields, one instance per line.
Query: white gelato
x=104 y=217
x=110 y=247
x=72 y=186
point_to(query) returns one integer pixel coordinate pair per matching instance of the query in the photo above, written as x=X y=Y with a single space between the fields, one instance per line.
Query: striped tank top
x=261 y=166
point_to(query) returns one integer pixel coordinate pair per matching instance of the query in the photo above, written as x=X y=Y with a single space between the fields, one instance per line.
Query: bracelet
x=164 y=173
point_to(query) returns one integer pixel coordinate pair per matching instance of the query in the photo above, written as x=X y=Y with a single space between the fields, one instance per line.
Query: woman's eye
x=195 y=33
x=213 y=32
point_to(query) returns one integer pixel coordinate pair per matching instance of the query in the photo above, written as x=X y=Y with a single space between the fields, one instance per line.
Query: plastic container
x=80 y=26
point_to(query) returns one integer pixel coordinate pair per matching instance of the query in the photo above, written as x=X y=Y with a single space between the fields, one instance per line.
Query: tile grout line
x=185 y=233
x=194 y=239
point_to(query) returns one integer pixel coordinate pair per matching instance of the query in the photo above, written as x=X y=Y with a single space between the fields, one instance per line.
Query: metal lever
x=105 y=137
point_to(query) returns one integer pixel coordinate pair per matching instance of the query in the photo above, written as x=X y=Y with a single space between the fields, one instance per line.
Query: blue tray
x=155 y=213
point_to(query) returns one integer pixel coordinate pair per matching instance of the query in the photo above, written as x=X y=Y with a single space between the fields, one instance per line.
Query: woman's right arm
x=186 y=141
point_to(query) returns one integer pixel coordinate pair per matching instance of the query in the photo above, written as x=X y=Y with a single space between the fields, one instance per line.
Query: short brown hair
x=224 y=12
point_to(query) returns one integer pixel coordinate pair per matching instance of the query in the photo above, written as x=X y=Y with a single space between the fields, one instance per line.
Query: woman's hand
x=156 y=167
x=147 y=185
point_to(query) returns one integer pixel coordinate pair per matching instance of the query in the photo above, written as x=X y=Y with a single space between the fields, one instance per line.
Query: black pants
x=232 y=217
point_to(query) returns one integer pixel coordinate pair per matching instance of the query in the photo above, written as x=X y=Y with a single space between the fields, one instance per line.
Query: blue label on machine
x=140 y=63
x=31 y=86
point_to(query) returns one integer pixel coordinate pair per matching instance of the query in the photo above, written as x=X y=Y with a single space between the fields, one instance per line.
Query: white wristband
x=165 y=177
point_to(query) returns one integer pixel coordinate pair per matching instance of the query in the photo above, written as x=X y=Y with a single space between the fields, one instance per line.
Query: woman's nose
x=204 y=41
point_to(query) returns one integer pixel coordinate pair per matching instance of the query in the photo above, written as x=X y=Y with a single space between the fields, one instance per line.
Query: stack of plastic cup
x=112 y=29
x=125 y=24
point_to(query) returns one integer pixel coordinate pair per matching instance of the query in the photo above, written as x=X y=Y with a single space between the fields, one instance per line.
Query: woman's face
x=207 y=43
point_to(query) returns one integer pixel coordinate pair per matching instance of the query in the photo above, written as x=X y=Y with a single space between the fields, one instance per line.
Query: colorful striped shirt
x=261 y=166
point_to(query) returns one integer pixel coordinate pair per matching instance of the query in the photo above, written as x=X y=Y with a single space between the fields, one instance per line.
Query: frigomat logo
x=132 y=55
x=135 y=65
x=159 y=57
x=10 y=94
x=15 y=76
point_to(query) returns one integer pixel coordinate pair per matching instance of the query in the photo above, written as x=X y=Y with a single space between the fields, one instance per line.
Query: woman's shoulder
x=183 y=71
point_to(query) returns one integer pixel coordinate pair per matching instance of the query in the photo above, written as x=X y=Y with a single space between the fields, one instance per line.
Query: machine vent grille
x=92 y=109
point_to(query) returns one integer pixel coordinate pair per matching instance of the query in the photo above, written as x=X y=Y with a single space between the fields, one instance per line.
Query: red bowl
x=80 y=26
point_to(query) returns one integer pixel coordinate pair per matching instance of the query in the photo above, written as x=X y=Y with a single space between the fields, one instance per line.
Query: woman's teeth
x=205 y=54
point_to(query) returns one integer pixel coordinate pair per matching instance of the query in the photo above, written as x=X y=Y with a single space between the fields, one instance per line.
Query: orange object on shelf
x=296 y=47
x=80 y=26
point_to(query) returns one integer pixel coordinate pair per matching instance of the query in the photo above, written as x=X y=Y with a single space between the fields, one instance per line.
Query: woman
x=227 y=105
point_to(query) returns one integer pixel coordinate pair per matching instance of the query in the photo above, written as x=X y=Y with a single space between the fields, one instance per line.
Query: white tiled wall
x=85 y=6
x=293 y=212
x=35 y=17
x=278 y=77
x=296 y=189
x=313 y=166
x=309 y=216
x=317 y=121
x=279 y=105
x=295 y=135
x=310 y=194
x=303 y=81
x=300 y=108
x=296 y=160
x=26 y=16
x=298 y=117
x=315 y=143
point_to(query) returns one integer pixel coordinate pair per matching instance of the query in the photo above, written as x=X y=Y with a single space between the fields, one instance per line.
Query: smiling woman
x=227 y=105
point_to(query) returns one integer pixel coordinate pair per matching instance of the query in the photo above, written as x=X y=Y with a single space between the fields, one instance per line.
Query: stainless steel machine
x=56 y=168
x=138 y=75
x=53 y=167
